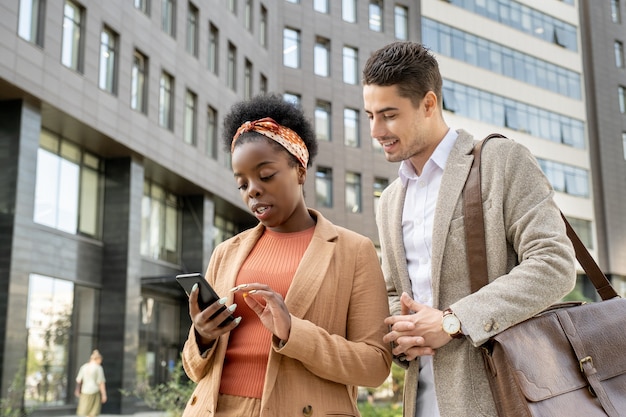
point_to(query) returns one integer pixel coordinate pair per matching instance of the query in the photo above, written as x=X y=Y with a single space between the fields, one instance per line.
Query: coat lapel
x=457 y=168
x=235 y=259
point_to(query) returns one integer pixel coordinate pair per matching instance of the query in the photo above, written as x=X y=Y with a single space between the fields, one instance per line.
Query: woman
x=309 y=295
x=92 y=391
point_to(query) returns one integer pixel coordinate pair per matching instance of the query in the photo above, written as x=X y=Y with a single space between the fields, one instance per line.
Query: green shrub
x=13 y=405
x=170 y=396
x=375 y=409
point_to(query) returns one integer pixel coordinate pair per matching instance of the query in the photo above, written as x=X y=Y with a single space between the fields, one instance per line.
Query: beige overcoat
x=531 y=264
x=337 y=302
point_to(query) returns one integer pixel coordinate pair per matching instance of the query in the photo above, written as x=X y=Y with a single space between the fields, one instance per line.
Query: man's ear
x=430 y=102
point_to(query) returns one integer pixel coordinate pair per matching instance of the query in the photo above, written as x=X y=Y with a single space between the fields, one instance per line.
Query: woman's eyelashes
x=244 y=185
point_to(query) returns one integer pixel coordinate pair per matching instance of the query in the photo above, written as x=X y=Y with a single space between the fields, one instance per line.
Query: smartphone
x=207 y=295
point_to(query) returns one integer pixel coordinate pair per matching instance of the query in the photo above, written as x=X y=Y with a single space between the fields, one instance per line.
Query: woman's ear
x=301 y=174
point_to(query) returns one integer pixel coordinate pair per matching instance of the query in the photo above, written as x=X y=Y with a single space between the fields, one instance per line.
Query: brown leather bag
x=569 y=360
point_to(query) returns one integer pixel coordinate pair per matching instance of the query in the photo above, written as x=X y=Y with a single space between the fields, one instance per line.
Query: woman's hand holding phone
x=208 y=325
x=209 y=314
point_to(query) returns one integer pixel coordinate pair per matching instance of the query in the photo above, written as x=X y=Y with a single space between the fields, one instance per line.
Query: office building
x=114 y=177
x=605 y=77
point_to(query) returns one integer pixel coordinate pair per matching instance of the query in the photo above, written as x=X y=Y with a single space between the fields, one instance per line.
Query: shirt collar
x=439 y=157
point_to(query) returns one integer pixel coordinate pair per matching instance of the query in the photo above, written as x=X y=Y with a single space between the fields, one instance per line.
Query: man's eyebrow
x=383 y=110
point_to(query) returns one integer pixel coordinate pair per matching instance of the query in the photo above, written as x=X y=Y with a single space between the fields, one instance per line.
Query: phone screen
x=207 y=295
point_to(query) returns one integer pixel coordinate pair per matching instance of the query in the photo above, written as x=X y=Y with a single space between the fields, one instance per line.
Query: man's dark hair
x=408 y=65
x=274 y=106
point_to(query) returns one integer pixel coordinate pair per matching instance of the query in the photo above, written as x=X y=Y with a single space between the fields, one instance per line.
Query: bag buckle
x=583 y=361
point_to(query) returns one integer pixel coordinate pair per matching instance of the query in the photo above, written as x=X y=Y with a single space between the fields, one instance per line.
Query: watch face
x=451 y=324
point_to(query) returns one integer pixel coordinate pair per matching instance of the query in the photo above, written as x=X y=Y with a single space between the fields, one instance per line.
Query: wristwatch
x=451 y=324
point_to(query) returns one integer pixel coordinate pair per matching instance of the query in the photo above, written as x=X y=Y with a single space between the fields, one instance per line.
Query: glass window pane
x=401 y=22
x=348 y=10
x=291 y=48
x=46 y=188
x=71 y=36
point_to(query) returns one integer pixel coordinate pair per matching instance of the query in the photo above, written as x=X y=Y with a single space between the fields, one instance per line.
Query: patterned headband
x=289 y=139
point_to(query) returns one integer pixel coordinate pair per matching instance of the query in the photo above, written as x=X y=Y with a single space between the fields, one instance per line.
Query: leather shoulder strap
x=474 y=221
x=475 y=235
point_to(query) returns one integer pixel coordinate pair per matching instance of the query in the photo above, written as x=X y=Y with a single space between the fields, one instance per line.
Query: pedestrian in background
x=90 y=386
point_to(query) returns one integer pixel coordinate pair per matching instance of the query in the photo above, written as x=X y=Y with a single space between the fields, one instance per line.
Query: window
x=166 y=106
x=211 y=133
x=321 y=57
x=348 y=11
x=72 y=49
x=189 y=132
x=263 y=27
x=320 y=6
x=379 y=185
x=31 y=18
x=168 y=17
x=223 y=229
x=232 y=6
x=619 y=54
x=502 y=111
x=160 y=219
x=322 y=120
x=351 y=127
x=624 y=144
x=324 y=187
x=248 y=15
x=583 y=230
x=213 y=48
x=616 y=16
x=566 y=178
x=291 y=48
x=292 y=98
x=247 y=80
x=231 y=71
x=263 y=84
x=350 y=65
x=401 y=22
x=138 y=83
x=192 y=30
x=621 y=96
x=108 y=57
x=293 y=1
x=525 y=19
x=143 y=5
x=53 y=336
x=68 y=187
x=376 y=15
x=353 y=192
x=495 y=57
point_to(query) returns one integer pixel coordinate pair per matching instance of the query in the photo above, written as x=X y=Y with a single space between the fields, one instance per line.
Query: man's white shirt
x=417 y=226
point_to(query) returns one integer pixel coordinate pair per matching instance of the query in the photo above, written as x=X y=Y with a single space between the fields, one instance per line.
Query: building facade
x=605 y=78
x=114 y=178
x=517 y=67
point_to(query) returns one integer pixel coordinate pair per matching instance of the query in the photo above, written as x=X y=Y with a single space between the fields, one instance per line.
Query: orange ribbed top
x=273 y=261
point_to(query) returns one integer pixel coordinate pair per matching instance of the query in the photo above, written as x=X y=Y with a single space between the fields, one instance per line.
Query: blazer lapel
x=234 y=259
x=398 y=199
x=457 y=168
x=313 y=267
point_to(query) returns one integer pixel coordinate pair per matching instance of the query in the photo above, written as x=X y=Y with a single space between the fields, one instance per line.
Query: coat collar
x=310 y=273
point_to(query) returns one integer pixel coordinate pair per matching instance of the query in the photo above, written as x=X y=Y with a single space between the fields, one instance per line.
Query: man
x=531 y=262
